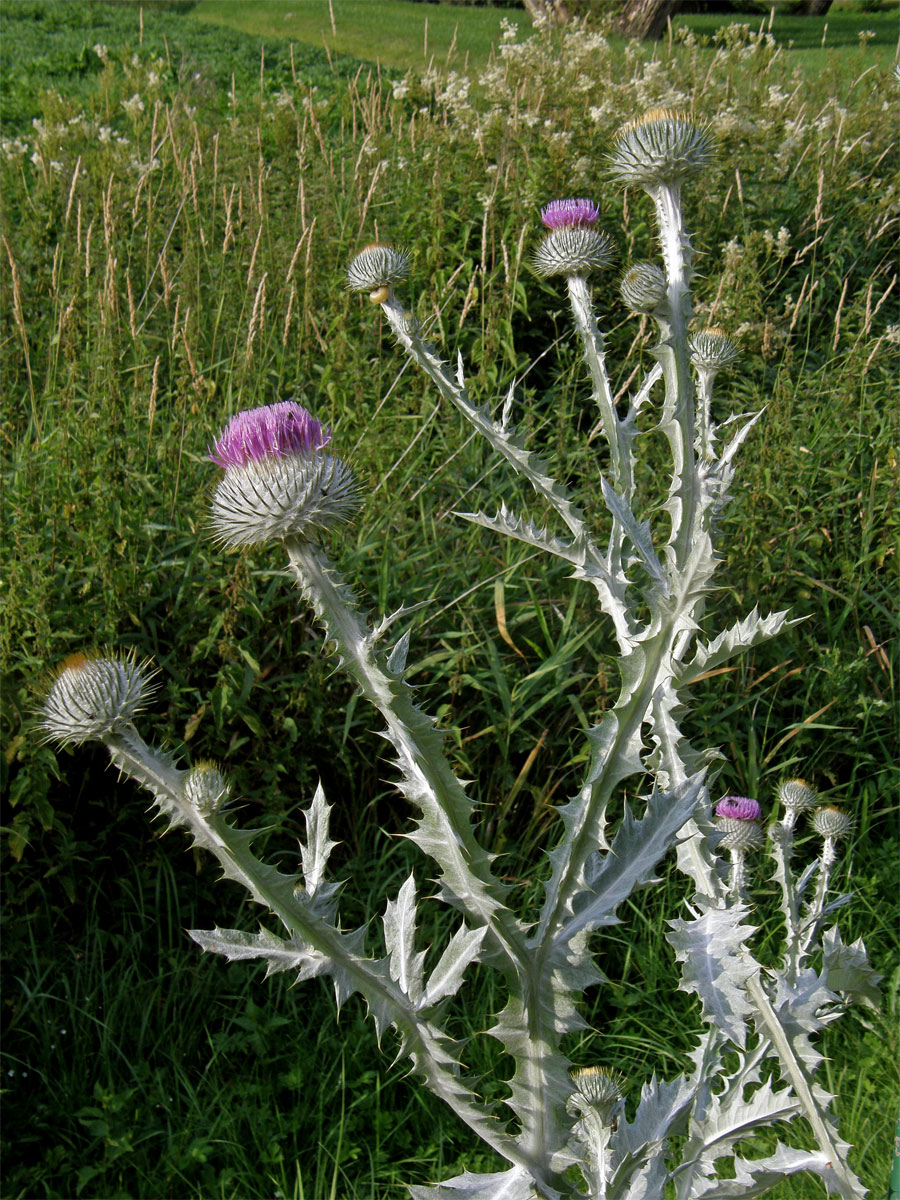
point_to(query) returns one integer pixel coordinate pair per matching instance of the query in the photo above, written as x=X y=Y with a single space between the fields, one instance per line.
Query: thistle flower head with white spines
x=661 y=148
x=598 y=1088
x=573 y=246
x=278 y=483
x=376 y=269
x=600 y=1085
x=712 y=349
x=643 y=287
x=206 y=788
x=831 y=822
x=94 y=695
x=797 y=796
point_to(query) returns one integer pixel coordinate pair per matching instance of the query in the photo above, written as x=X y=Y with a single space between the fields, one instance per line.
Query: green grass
x=816 y=42
x=128 y=336
x=395 y=33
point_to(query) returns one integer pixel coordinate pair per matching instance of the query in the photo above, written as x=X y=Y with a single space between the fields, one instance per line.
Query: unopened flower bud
x=831 y=822
x=572 y=250
x=278 y=482
x=206 y=788
x=643 y=288
x=93 y=696
x=712 y=349
x=797 y=795
x=660 y=148
x=600 y=1085
x=376 y=269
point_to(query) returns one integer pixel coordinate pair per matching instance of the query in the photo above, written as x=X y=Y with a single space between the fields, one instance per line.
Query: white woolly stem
x=678 y=416
x=430 y=782
x=813 y=916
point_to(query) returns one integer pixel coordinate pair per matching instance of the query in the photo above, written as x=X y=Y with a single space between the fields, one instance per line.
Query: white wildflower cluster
x=13 y=148
x=61 y=136
x=134 y=105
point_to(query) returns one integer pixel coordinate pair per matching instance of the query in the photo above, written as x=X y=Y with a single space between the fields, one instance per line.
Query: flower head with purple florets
x=573 y=246
x=278 y=483
x=736 y=818
x=739 y=808
x=563 y=214
x=270 y=431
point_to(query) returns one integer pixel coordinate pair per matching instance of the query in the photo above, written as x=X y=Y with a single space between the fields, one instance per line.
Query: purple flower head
x=560 y=214
x=739 y=808
x=271 y=431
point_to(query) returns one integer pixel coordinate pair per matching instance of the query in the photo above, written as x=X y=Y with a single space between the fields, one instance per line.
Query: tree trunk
x=814 y=8
x=554 y=12
x=645 y=18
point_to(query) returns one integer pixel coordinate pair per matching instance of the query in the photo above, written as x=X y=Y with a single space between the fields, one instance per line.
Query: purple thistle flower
x=270 y=431
x=739 y=808
x=561 y=214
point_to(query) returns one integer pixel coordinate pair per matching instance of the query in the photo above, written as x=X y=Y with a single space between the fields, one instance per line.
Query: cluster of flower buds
x=278 y=483
x=737 y=817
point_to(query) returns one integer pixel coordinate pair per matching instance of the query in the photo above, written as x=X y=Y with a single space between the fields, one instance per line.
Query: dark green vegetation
x=169 y=261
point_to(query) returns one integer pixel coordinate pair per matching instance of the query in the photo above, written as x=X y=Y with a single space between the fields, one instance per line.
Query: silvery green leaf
x=660 y=1113
x=279 y=954
x=800 y=1005
x=397 y=659
x=386 y=622
x=399 y=936
x=631 y=860
x=646 y=1183
x=638 y=534
x=508 y=524
x=847 y=970
x=715 y=967
x=750 y=631
x=728 y=1118
x=447 y=976
x=754 y=1177
x=315 y=852
x=501 y=1185
x=639 y=1146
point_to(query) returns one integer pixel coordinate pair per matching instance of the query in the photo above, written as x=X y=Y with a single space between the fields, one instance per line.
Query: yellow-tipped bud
x=377 y=267
x=662 y=147
x=643 y=288
x=206 y=788
x=93 y=695
x=712 y=349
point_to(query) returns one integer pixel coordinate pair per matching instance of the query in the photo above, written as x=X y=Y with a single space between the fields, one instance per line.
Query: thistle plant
x=561 y=1131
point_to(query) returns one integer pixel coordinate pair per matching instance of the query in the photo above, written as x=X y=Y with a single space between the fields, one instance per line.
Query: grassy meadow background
x=181 y=188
